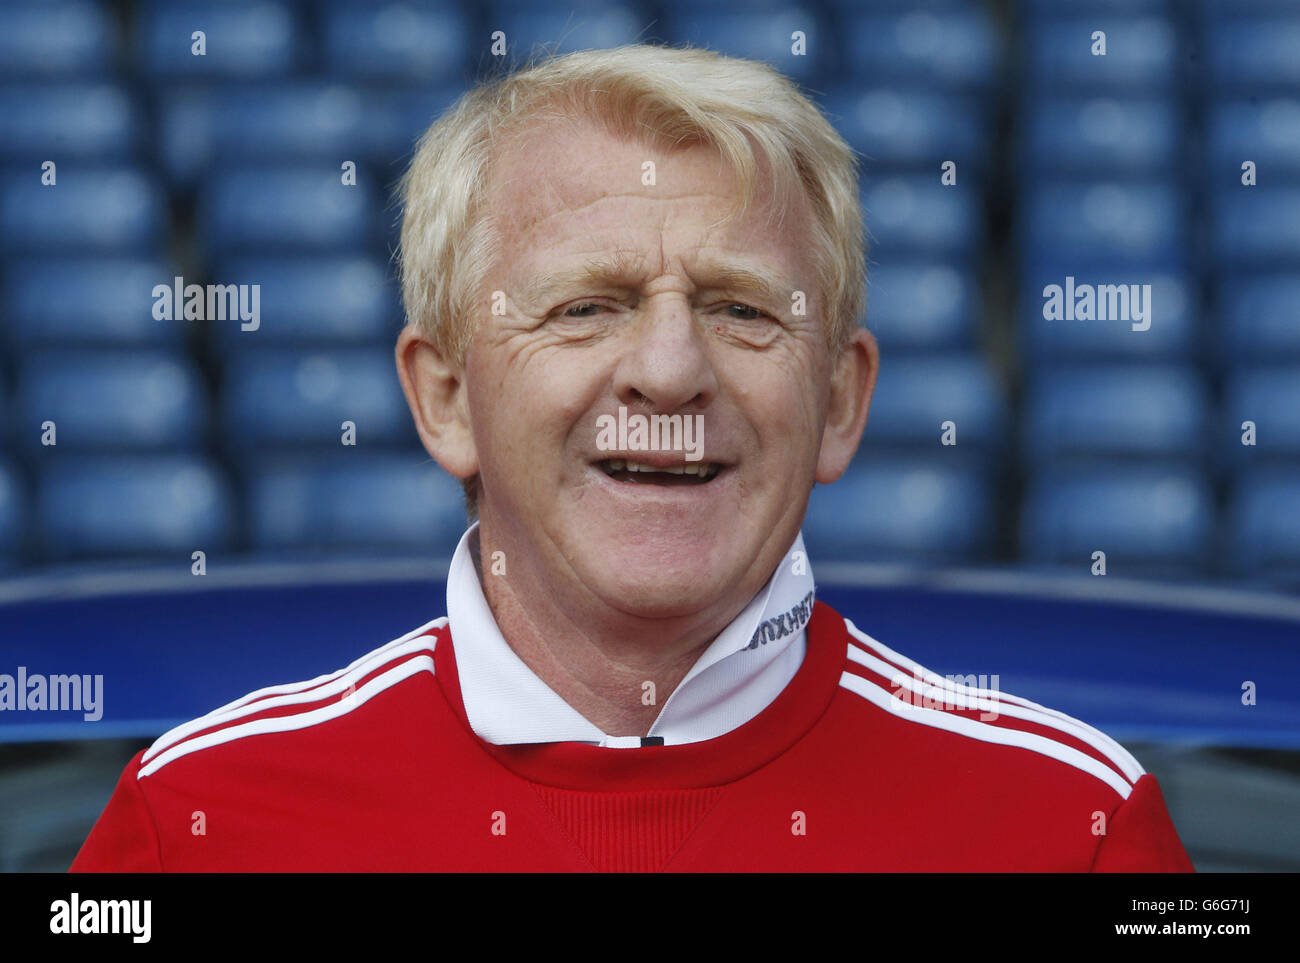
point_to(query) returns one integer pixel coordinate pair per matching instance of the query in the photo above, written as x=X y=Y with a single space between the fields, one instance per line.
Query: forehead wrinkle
x=617 y=269
x=566 y=207
x=533 y=219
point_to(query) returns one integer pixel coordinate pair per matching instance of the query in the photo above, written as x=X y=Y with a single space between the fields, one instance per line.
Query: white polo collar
x=739 y=674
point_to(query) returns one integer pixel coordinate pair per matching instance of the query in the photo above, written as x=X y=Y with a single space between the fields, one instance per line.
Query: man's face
x=699 y=320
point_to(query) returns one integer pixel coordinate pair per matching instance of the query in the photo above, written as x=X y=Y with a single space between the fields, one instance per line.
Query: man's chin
x=669 y=605
x=656 y=593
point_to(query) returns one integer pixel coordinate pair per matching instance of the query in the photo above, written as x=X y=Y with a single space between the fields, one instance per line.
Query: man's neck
x=619 y=688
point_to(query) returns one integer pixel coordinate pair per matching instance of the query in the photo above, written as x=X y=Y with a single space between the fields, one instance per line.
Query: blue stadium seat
x=762 y=33
x=900 y=509
x=922 y=306
x=285 y=211
x=1099 y=136
x=1263 y=524
x=1222 y=9
x=1266 y=132
x=285 y=399
x=638 y=8
x=354 y=501
x=1259 y=319
x=956 y=49
x=57 y=38
x=915 y=396
x=1256 y=227
x=1056 y=9
x=1083 y=223
x=1269 y=397
x=13 y=516
x=85 y=121
x=1143 y=410
x=244 y=39
x=104 y=300
x=848 y=10
x=1148 y=519
x=1255 y=55
x=7 y=425
x=395 y=119
x=895 y=128
x=111 y=400
x=1169 y=333
x=133 y=505
x=567 y=27
x=114 y=210
x=916 y=215
x=397 y=41
x=1141 y=56
x=278 y=122
x=314 y=301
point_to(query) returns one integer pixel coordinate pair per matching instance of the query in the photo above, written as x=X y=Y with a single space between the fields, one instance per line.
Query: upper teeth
x=703 y=469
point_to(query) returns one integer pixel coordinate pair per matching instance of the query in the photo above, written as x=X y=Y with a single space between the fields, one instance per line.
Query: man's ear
x=853 y=381
x=434 y=386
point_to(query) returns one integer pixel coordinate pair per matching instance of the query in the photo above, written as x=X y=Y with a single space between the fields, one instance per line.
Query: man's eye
x=743 y=312
x=589 y=309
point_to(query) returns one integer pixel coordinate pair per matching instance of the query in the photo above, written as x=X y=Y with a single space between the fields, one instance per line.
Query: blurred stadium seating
x=1070 y=435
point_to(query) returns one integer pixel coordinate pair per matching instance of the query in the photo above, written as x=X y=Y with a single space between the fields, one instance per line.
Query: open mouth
x=638 y=473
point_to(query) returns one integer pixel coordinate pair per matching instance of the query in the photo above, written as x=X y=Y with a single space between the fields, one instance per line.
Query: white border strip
x=151 y=580
x=1206 y=596
x=1202 y=596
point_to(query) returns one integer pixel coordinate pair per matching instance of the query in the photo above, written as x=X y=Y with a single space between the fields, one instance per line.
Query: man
x=632 y=279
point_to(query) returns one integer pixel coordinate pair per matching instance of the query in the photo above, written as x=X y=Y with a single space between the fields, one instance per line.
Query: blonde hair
x=678 y=97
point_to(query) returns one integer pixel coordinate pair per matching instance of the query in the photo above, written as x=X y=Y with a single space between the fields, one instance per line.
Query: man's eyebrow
x=731 y=278
x=612 y=270
x=623 y=270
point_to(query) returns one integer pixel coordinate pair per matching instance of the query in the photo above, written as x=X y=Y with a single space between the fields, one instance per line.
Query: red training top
x=858 y=764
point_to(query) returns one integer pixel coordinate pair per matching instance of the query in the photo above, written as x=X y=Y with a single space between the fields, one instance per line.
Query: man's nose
x=666 y=364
